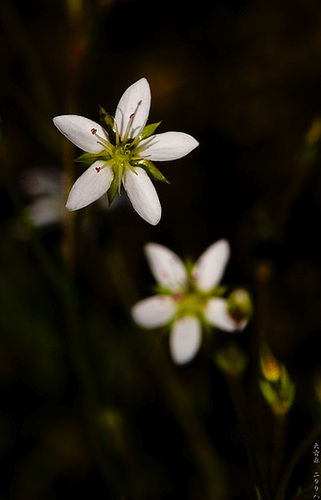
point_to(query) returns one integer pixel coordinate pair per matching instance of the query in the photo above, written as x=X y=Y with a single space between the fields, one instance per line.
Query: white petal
x=185 y=339
x=45 y=210
x=90 y=186
x=167 y=146
x=154 y=312
x=209 y=268
x=217 y=314
x=142 y=195
x=136 y=99
x=37 y=181
x=78 y=130
x=167 y=268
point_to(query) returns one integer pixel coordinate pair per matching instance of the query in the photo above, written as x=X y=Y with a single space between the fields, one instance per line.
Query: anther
x=93 y=131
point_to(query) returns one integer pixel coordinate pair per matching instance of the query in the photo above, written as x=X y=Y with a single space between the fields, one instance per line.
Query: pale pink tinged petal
x=185 y=339
x=90 y=186
x=167 y=268
x=216 y=313
x=142 y=195
x=167 y=146
x=154 y=312
x=79 y=130
x=133 y=109
x=209 y=268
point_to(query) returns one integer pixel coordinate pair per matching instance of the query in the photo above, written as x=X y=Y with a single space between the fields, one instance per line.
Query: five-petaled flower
x=188 y=296
x=121 y=152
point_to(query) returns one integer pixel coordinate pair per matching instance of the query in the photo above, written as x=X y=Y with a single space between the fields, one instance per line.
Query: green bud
x=231 y=360
x=270 y=367
x=280 y=394
x=239 y=305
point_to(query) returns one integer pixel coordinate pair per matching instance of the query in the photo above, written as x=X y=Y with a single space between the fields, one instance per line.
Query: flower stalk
x=279 y=391
x=232 y=362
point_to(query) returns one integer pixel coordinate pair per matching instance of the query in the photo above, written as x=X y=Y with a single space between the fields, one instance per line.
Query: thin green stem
x=300 y=451
x=242 y=413
x=208 y=463
x=278 y=449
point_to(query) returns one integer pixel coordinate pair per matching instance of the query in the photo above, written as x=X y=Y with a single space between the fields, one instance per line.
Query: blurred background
x=89 y=403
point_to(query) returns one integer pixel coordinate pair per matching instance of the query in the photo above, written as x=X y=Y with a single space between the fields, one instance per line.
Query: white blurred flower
x=121 y=153
x=187 y=298
x=43 y=186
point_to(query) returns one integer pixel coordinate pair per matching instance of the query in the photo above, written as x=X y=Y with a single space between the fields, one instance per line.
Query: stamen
x=147 y=143
x=129 y=124
x=126 y=135
x=102 y=141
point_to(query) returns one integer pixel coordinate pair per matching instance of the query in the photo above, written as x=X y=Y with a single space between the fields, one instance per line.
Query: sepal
x=108 y=123
x=113 y=188
x=149 y=130
x=150 y=169
x=88 y=159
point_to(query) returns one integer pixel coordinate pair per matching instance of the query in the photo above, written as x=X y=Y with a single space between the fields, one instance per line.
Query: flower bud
x=240 y=305
x=271 y=368
x=277 y=388
x=231 y=360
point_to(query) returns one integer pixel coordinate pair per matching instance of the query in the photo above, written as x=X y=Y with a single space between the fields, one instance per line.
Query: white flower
x=42 y=186
x=187 y=298
x=121 y=153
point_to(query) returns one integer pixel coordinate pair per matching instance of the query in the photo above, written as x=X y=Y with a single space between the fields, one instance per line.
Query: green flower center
x=190 y=304
x=190 y=300
x=122 y=154
x=118 y=156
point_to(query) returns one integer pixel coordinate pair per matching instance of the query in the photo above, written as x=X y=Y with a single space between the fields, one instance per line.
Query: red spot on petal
x=93 y=131
x=131 y=116
x=97 y=169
